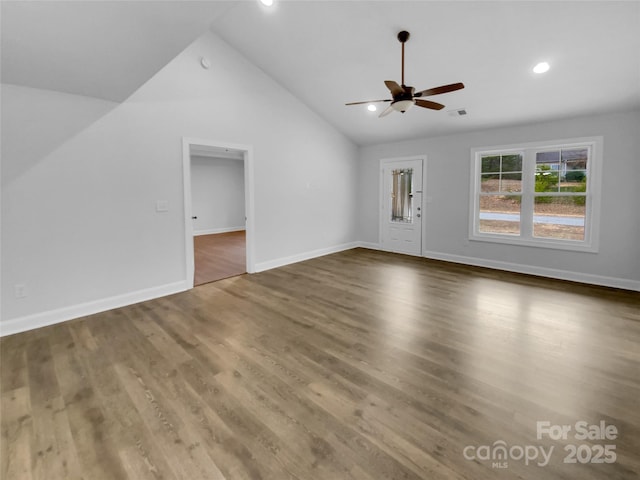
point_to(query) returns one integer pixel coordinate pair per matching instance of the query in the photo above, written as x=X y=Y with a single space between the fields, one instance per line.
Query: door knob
x=193 y=218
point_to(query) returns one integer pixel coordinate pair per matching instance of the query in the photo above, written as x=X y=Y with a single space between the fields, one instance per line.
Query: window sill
x=537 y=243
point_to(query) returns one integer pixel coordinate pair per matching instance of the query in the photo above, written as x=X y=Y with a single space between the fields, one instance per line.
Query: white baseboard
x=580 y=277
x=588 y=278
x=212 y=231
x=44 y=319
x=280 y=262
x=370 y=246
x=30 y=322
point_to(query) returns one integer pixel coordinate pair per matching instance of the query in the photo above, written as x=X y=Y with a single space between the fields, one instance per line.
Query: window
x=402 y=195
x=542 y=194
x=500 y=193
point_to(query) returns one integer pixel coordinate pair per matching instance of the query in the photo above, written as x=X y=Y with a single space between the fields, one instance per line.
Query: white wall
x=217 y=193
x=79 y=226
x=446 y=217
x=32 y=125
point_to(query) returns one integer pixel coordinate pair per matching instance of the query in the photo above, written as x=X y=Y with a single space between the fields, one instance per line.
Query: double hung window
x=542 y=194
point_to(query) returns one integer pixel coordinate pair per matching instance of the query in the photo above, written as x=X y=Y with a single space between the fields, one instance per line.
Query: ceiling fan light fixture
x=372 y=108
x=267 y=3
x=402 y=105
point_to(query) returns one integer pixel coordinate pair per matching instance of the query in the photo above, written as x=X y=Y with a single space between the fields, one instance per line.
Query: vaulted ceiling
x=101 y=49
x=328 y=53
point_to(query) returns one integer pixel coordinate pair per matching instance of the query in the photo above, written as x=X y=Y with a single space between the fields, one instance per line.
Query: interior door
x=401 y=206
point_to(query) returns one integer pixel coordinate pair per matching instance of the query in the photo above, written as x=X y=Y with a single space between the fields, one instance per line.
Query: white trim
x=213 y=231
x=371 y=246
x=248 y=195
x=587 y=278
x=590 y=243
x=51 y=317
x=300 y=257
x=538 y=242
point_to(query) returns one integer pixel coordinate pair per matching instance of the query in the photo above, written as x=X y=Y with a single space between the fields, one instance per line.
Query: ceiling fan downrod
x=403 y=36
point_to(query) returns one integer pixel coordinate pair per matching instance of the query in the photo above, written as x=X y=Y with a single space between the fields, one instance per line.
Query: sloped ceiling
x=101 y=49
x=328 y=53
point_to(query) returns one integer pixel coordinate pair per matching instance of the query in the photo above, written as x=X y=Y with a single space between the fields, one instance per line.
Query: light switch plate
x=20 y=290
x=162 y=205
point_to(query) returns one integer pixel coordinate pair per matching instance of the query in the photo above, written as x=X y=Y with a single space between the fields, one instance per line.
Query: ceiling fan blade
x=429 y=104
x=386 y=111
x=370 y=101
x=438 y=90
x=393 y=87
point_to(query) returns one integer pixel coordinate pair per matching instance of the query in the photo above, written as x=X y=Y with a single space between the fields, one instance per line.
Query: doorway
x=401 y=205
x=218 y=198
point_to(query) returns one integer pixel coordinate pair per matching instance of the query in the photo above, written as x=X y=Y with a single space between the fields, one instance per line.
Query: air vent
x=458 y=112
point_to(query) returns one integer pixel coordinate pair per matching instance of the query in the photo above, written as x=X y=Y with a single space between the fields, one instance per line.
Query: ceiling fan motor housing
x=403 y=101
x=407 y=94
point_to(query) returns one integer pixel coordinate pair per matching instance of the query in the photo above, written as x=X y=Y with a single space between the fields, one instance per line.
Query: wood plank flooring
x=219 y=256
x=357 y=365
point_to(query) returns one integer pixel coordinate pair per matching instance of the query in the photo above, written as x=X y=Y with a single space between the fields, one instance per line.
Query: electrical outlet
x=20 y=290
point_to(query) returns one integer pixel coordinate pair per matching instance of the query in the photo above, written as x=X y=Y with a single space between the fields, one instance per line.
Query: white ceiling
x=328 y=53
x=101 y=49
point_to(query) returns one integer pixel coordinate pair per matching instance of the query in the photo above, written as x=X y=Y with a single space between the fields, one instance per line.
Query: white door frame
x=382 y=196
x=249 y=206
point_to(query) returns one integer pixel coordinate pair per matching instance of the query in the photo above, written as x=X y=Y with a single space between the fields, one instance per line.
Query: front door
x=401 y=206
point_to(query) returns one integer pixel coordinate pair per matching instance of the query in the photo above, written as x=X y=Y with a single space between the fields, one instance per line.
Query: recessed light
x=541 y=67
x=267 y=3
x=372 y=108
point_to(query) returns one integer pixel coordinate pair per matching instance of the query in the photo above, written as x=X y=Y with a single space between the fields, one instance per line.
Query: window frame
x=528 y=194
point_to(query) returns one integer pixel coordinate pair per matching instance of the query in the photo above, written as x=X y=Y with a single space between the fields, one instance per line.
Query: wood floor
x=357 y=365
x=219 y=256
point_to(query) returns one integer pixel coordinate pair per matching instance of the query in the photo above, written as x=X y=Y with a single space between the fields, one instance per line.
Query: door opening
x=218 y=198
x=401 y=182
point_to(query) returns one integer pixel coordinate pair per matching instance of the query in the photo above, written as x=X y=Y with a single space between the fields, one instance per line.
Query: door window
x=402 y=195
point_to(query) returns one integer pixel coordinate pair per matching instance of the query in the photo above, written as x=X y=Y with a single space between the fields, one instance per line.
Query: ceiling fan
x=403 y=96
